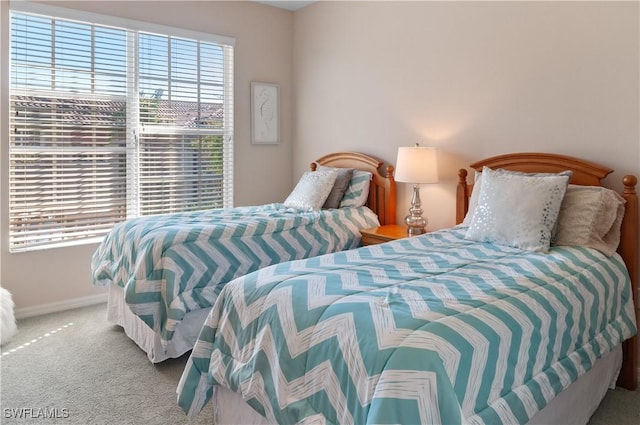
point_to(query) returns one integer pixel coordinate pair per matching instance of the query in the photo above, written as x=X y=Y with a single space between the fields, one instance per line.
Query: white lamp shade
x=416 y=164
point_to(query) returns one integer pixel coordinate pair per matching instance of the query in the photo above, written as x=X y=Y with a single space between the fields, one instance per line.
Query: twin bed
x=164 y=273
x=439 y=328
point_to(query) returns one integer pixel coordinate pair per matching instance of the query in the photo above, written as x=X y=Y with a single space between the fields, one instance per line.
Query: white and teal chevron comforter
x=431 y=329
x=171 y=264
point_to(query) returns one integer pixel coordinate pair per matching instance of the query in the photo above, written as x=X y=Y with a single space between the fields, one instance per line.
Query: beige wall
x=262 y=173
x=472 y=78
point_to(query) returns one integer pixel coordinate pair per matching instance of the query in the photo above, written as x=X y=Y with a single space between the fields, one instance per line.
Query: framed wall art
x=265 y=113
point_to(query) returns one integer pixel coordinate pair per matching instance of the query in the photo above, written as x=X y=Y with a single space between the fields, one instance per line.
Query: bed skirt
x=183 y=339
x=573 y=406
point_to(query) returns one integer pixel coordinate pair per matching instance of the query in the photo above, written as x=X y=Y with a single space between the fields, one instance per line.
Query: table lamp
x=416 y=165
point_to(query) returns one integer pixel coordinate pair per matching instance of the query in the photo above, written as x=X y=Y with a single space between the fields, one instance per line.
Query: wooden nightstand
x=382 y=234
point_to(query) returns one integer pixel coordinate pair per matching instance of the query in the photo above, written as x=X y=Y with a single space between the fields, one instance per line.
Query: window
x=110 y=122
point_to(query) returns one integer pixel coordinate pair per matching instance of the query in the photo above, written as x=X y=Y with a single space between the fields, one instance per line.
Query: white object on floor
x=7 y=318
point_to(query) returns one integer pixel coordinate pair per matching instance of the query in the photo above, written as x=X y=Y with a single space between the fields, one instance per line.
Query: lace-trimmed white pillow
x=477 y=186
x=517 y=209
x=312 y=190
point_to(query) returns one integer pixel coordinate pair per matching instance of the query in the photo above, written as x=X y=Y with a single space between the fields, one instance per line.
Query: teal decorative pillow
x=518 y=209
x=358 y=190
x=339 y=187
x=312 y=190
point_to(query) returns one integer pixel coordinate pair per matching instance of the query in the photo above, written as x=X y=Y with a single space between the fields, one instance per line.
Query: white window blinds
x=109 y=123
x=182 y=115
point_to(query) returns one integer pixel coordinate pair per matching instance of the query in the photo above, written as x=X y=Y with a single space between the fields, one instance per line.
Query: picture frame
x=265 y=113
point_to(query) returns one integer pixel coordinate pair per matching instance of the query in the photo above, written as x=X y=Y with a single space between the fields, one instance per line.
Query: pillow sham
x=590 y=216
x=517 y=209
x=312 y=190
x=339 y=187
x=358 y=190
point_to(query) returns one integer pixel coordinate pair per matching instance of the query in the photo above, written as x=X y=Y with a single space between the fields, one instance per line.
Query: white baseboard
x=23 y=313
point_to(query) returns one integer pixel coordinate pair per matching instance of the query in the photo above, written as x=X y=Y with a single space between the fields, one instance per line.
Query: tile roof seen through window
x=76 y=110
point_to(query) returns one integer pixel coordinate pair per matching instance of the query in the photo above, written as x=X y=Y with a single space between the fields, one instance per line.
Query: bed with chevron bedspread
x=428 y=329
x=170 y=265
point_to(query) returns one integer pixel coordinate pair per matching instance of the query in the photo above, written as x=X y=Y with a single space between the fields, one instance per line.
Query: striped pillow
x=358 y=190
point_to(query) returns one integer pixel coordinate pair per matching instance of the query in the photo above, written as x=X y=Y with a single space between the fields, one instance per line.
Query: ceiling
x=286 y=4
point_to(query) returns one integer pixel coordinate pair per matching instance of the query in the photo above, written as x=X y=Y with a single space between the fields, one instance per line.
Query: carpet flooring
x=80 y=369
x=87 y=369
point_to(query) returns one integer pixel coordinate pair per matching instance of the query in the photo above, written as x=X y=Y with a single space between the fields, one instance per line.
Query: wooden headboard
x=584 y=173
x=382 y=192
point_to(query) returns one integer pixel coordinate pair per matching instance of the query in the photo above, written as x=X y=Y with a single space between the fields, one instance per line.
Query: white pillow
x=358 y=191
x=517 y=209
x=312 y=190
x=477 y=186
x=590 y=216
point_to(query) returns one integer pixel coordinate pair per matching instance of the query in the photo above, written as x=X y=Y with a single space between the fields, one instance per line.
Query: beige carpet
x=76 y=366
x=89 y=371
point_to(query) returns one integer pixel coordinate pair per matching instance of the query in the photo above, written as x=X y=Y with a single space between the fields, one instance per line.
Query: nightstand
x=381 y=234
